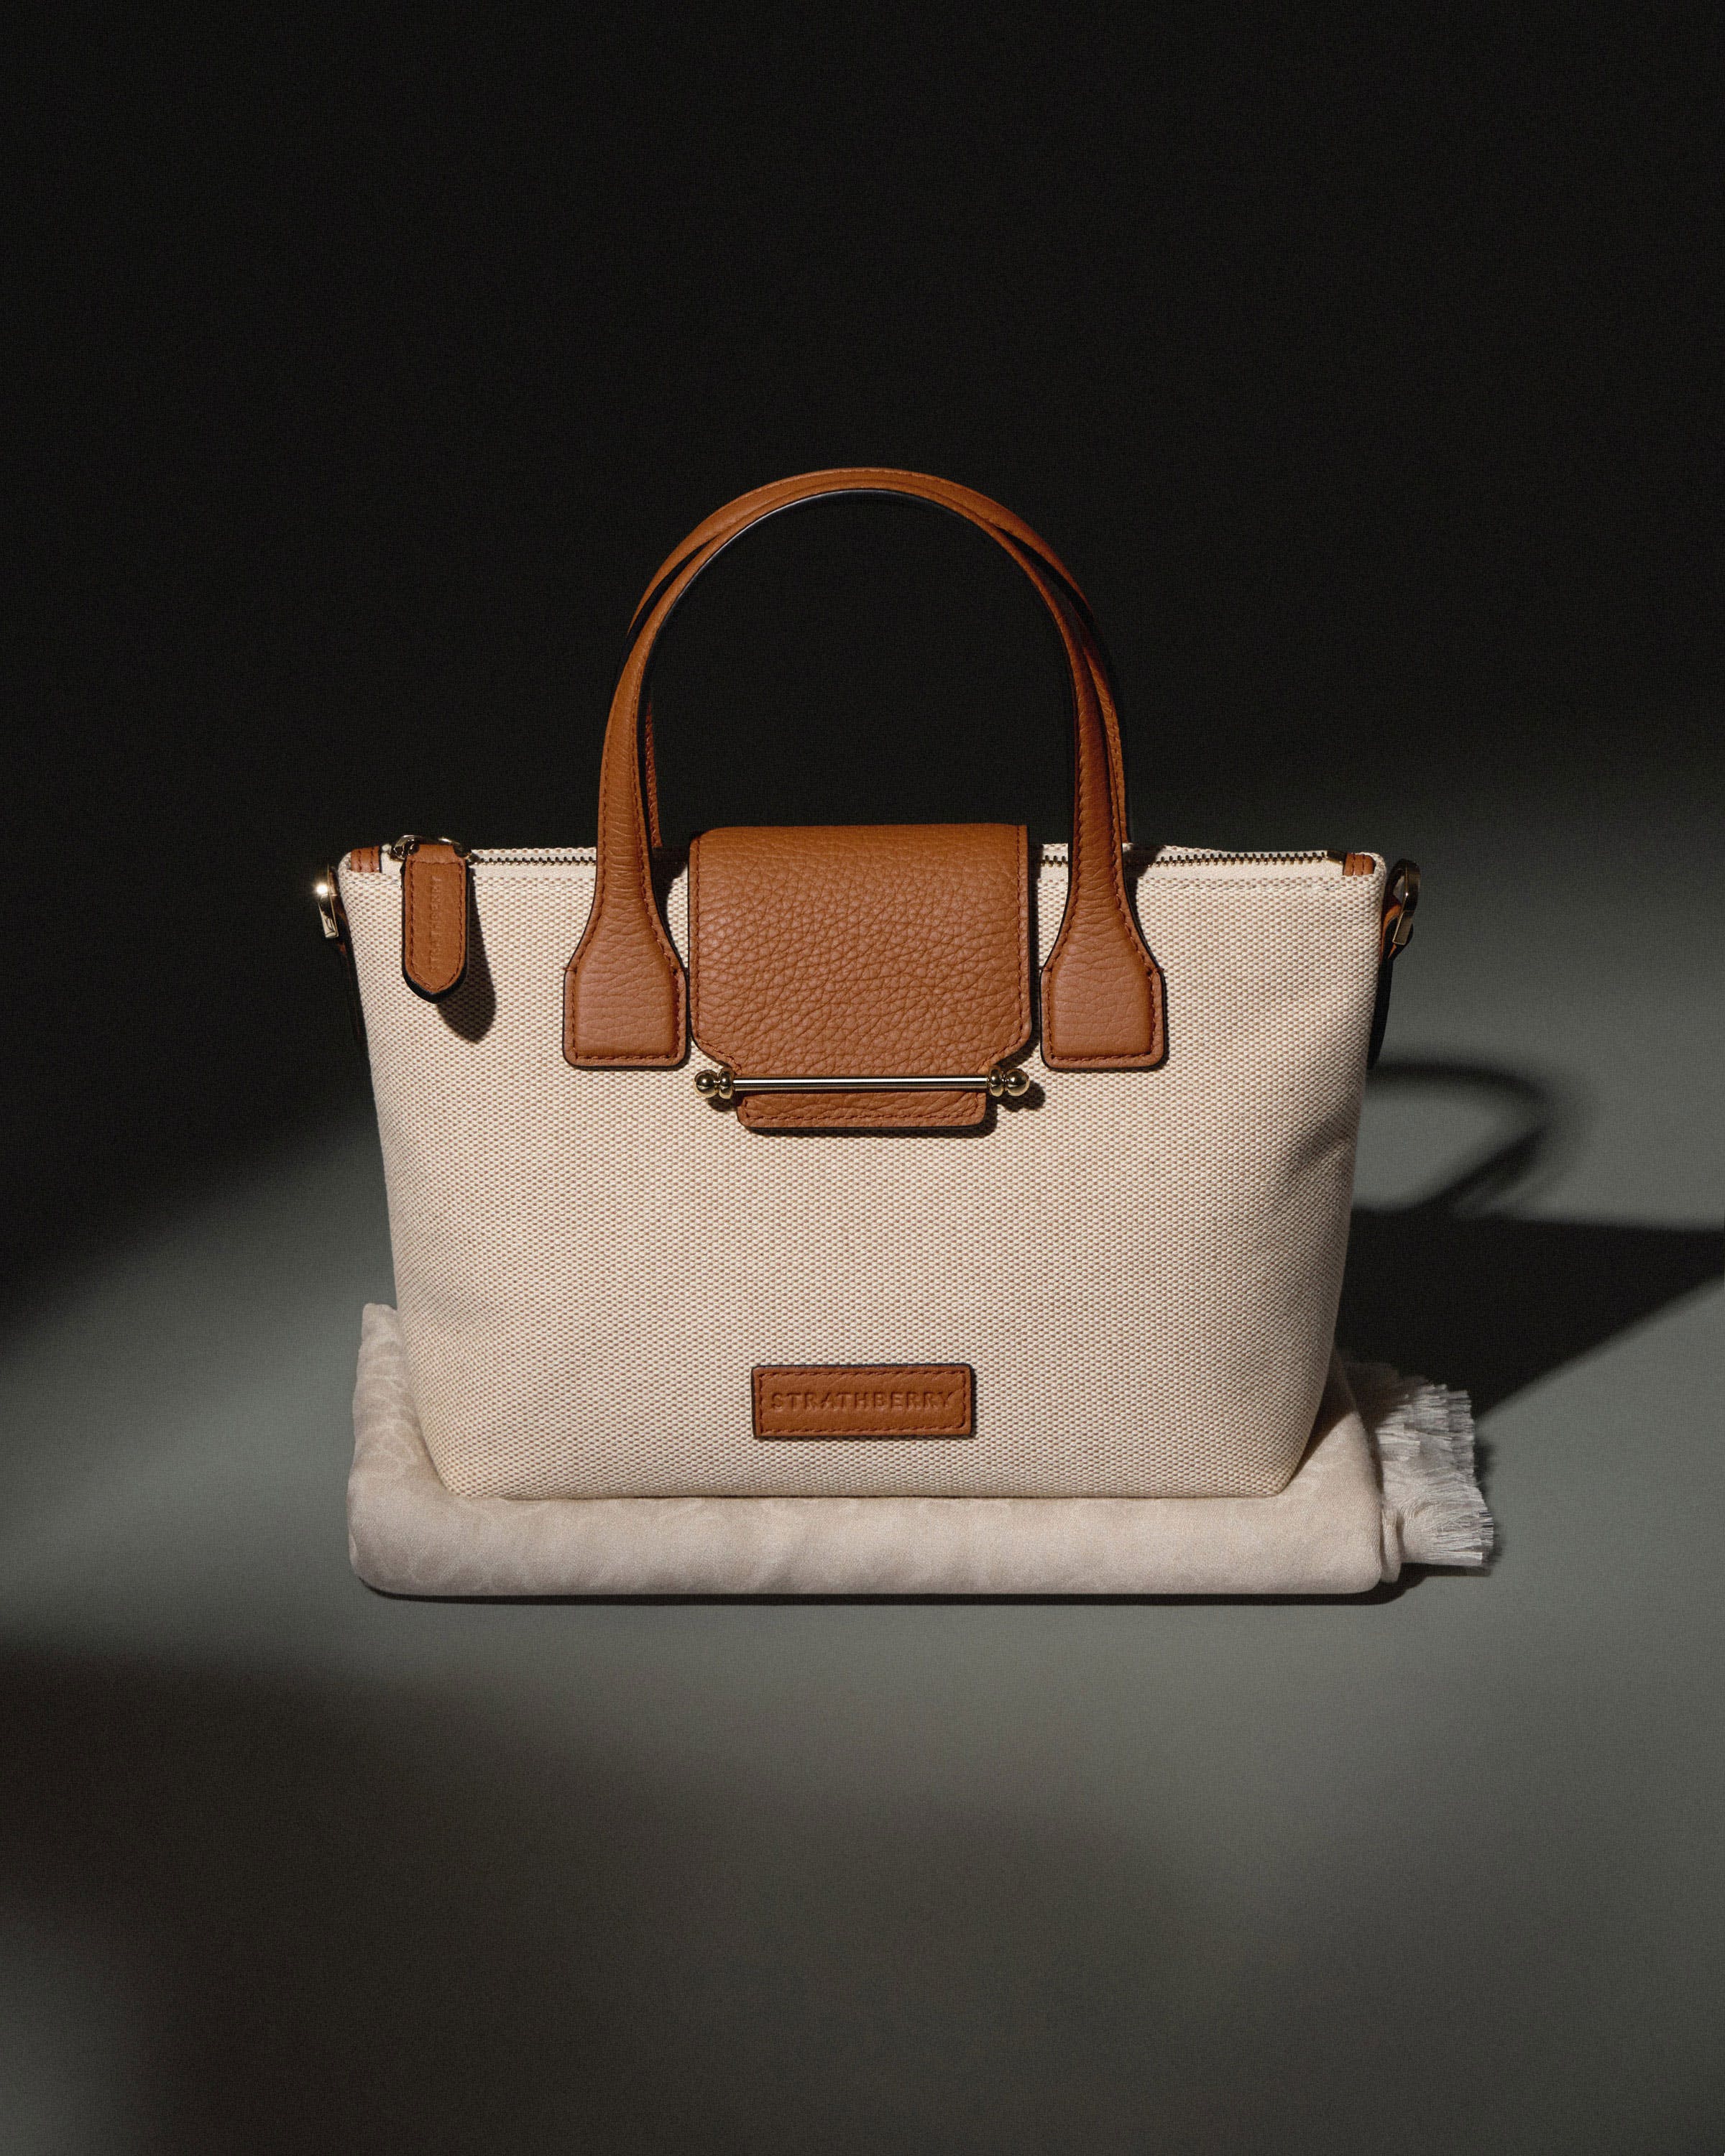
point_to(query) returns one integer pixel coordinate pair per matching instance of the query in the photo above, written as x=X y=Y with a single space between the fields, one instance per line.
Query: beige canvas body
x=1142 y=1267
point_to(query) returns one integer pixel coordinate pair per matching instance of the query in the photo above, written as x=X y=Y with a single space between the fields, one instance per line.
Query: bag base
x=1387 y=1480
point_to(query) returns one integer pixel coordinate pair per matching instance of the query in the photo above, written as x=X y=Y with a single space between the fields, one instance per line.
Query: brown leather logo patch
x=866 y=1399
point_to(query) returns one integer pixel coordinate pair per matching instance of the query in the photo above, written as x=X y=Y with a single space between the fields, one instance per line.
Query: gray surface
x=290 y=1866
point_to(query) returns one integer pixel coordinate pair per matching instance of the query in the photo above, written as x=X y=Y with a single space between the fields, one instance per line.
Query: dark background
x=1364 y=369
x=363 y=376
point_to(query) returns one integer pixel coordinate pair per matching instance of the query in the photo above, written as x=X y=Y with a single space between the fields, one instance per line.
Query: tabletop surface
x=291 y=1866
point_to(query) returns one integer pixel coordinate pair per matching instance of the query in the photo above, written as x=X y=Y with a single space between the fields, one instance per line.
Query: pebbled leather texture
x=863 y=1111
x=881 y=950
x=866 y=1399
x=1098 y=995
x=433 y=918
x=625 y=999
x=624 y=991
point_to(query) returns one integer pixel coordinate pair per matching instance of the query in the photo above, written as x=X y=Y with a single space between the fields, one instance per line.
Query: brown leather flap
x=872 y=950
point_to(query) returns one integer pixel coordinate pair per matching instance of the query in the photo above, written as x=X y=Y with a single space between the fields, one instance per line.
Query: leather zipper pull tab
x=433 y=913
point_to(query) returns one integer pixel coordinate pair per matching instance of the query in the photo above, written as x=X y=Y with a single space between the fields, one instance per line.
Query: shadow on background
x=1492 y=1302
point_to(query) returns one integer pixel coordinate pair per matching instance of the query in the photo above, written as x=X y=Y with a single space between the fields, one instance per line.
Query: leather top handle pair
x=625 y=998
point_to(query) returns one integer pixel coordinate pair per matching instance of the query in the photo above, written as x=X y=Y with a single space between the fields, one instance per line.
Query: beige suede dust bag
x=867 y=1160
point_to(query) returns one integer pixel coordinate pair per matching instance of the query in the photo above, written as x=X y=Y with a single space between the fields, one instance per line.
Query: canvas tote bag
x=866 y=1160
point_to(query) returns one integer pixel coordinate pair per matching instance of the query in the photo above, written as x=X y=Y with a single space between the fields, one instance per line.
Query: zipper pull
x=434 y=899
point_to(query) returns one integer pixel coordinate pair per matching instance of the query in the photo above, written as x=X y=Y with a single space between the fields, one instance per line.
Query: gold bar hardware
x=1001 y=1083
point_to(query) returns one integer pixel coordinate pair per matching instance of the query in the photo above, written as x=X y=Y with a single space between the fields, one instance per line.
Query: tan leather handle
x=737 y=517
x=625 y=999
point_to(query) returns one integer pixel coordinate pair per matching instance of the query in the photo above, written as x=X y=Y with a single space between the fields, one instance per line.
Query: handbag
x=867 y=1161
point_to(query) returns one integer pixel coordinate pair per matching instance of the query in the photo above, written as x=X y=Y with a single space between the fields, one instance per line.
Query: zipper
x=1314 y=854
x=370 y=858
x=1314 y=857
x=1322 y=861
x=531 y=856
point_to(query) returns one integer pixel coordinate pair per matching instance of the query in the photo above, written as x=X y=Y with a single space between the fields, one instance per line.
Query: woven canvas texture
x=1142 y=1267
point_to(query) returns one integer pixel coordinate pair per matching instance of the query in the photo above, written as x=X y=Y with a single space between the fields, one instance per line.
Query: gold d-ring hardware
x=1001 y=1083
x=330 y=911
x=1401 y=895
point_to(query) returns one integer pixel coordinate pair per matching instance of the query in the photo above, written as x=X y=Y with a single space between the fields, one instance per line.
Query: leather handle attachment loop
x=625 y=996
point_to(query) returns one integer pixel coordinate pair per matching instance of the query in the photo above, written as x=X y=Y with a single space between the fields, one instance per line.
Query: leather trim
x=862 y=1112
x=365 y=860
x=1358 y=864
x=867 y=1399
x=1103 y=997
x=433 y=918
x=625 y=998
x=885 y=950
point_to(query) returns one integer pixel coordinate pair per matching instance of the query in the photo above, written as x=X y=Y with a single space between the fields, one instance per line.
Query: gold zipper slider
x=410 y=842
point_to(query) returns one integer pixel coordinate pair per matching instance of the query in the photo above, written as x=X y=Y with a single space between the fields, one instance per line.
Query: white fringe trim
x=1424 y=1436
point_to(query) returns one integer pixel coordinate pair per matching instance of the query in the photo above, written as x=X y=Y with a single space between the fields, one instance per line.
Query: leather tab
x=624 y=1007
x=1101 y=1001
x=868 y=1399
x=886 y=950
x=433 y=918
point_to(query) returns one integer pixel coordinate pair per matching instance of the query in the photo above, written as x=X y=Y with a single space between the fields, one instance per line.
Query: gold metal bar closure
x=725 y=1085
